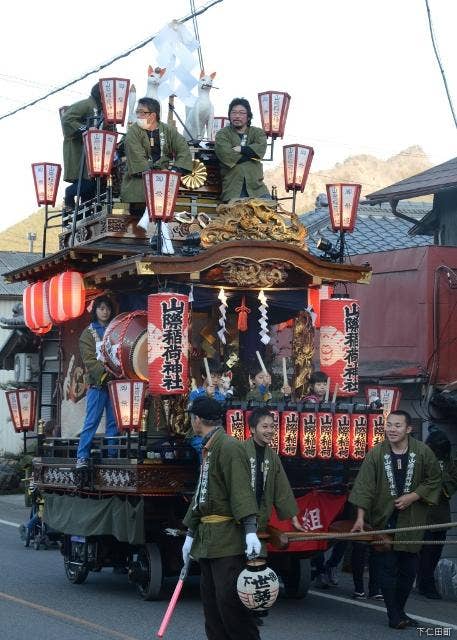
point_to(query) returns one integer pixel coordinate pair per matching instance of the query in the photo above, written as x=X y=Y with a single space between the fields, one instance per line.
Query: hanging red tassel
x=242 y=312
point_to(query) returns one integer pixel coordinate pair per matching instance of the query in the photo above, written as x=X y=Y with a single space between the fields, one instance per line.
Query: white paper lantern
x=257 y=586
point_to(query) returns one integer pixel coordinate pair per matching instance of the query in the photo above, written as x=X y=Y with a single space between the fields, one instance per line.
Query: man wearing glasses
x=150 y=144
x=240 y=149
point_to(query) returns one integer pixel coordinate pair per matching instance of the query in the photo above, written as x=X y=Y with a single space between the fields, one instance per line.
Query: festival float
x=232 y=282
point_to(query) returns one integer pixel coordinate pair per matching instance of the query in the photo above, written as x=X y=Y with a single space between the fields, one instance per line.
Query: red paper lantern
x=219 y=122
x=46 y=178
x=343 y=200
x=66 y=296
x=308 y=435
x=341 y=439
x=324 y=435
x=247 y=429
x=297 y=160
x=114 y=93
x=127 y=399
x=339 y=344
x=168 y=343
x=315 y=296
x=161 y=191
x=22 y=408
x=274 y=443
x=35 y=304
x=288 y=433
x=358 y=436
x=375 y=429
x=234 y=423
x=389 y=397
x=99 y=147
x=274 y=106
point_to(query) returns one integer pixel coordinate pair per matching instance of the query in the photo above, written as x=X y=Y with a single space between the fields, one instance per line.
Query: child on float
x=218 y=388
x=261 y=390
x=318 y=383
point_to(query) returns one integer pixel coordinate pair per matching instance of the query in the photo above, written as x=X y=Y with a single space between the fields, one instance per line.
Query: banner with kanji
x=317 y=511
x=168 y=343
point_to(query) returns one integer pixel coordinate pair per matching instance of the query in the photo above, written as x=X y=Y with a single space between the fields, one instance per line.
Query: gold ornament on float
x=197 y=177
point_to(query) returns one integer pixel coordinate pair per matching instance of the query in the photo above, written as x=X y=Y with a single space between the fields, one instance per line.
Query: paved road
x=38 y=603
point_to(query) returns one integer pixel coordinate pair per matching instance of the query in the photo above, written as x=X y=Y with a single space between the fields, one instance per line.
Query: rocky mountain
x=369 y=171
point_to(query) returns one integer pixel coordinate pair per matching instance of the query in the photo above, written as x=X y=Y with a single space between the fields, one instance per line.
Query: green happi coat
x=234 y=173
x=88 y=342
x=374 y=489
x=270 y=396
x=223 y=489
x=442 y=511
x=74 y=117
x=174 y=150
x=277 y=492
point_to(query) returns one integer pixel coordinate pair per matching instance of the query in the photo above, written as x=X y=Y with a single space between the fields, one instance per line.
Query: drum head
x=140 y=357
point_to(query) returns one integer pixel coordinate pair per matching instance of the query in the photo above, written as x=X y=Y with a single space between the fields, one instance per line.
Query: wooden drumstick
x=327 y=392
x=284 y=373
x=335 y=391
x=262 y=365
x=209 y=379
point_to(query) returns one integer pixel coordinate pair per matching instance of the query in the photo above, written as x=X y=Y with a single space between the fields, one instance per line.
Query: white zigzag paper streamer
x=263 y=320
x=222 y=320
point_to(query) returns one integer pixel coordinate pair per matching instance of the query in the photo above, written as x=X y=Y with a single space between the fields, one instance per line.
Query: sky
x=362 y=74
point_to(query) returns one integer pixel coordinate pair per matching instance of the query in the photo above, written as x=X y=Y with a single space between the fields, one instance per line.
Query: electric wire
x=432 y=35
x=124 y=54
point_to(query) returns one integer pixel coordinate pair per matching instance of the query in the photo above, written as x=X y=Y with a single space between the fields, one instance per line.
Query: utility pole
x=31 y=237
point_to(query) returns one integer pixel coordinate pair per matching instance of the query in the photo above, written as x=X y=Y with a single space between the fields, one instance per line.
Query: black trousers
x=226 y=618
x=429 y=557
x=87 y=192
x=396 y=572
x=360 y=551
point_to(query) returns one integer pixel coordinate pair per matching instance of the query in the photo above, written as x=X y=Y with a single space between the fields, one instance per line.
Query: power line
x=432 y=35
x=125 y=54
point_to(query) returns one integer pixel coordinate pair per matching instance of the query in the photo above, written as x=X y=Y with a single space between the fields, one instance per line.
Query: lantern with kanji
x=358 y=436
x=161 y=190
x=297 y=160
x=66 y=296
x=339 y=344
x=99 y=146
x=389 y=397
x=22 y=408
x=288 y=433
x=315 y=296
x=46 y=176
x=36 y=311
x=274 y=106
x=257 y=585
x=114 y=93
x=168 y=343
x=324 y=435
x=343 y=200
x=127 y=399
x=308 y=435
x=234 y=423
x=375 y=429
x=274 y=442
x=341 y=435
x=219 y=122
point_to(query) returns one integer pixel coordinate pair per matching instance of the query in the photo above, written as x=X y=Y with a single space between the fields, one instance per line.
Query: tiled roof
x=377 y=229
x=439 y=178
x=10 y=260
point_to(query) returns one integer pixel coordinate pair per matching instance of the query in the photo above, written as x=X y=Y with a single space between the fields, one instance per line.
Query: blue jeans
x=98 y=400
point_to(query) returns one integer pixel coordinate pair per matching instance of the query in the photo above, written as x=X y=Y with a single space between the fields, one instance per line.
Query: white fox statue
x=199 y=118
x=154 y=80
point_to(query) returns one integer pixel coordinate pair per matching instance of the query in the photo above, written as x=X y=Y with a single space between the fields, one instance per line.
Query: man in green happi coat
x=75 y=121
x=268 y=478
x=397 y=482
x=221 y=522
x=150 y=144
x=240 y=148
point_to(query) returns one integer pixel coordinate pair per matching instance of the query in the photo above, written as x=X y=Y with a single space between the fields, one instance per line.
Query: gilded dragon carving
x=244 y=273
x=253 y=219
